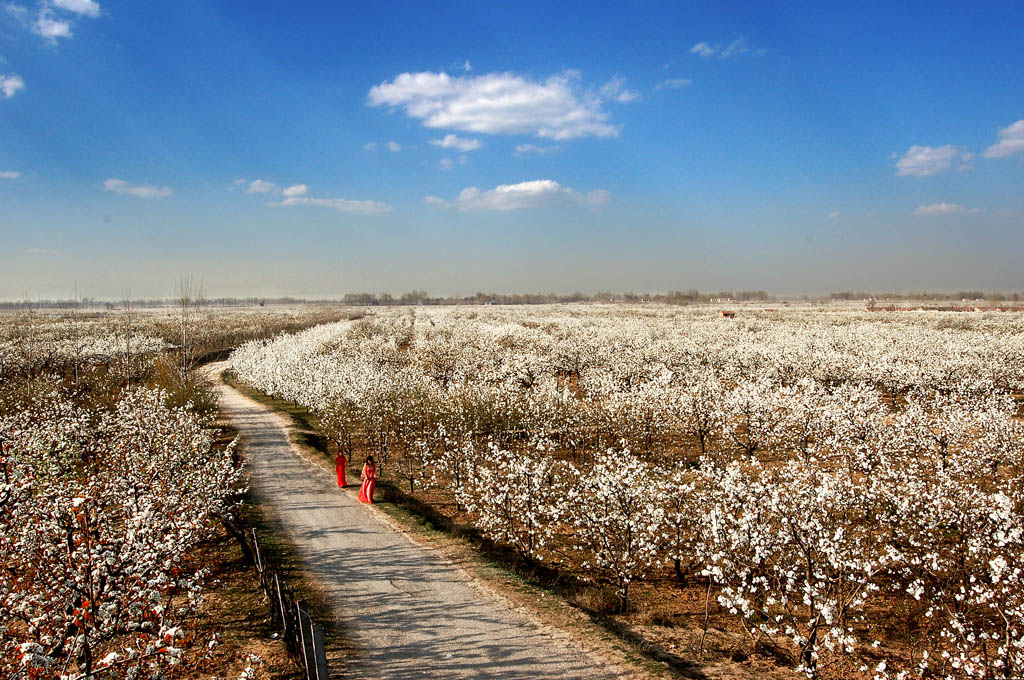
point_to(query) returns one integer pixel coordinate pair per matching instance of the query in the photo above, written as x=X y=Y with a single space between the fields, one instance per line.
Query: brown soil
x=234 y=606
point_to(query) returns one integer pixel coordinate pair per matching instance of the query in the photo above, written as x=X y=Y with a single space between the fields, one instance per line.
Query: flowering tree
x=699 y=409
x=794 y=556
x=958 y=549
x=617 y=516
x=516 y=499
x=97 y=518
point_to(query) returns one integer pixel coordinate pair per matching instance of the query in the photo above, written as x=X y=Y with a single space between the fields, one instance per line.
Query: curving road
x=408 y=611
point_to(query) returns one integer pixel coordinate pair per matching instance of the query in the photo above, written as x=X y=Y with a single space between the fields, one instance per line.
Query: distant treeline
x=672 y=297
x=921 y=296
x=415 y=297
x=421 y=297
x=94 y=303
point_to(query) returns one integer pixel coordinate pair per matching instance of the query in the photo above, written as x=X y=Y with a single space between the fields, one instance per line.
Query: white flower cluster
x=98 y=514
x=126 y=340
x=815 y=466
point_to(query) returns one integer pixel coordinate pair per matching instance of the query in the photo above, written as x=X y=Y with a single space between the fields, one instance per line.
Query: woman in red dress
x=339 y=465
x=369 y=477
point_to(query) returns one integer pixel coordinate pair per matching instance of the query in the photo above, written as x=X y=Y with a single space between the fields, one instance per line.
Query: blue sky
x=458 y=147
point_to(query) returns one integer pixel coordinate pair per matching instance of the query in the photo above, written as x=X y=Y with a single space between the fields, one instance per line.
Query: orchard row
x=99 y=514
x=816 y=468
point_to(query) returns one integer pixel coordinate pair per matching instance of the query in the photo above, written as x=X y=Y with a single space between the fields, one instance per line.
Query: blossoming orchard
x=111 y=476
x=96 y=520
x=847 y=485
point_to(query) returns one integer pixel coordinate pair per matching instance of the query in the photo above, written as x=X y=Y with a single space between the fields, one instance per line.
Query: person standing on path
x=339 y=465
x=369 y=477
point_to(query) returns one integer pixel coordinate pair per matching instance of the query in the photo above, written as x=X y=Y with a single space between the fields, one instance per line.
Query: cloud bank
x=119 y=186
x=734 y=49
x=87 y=8
x=259 y=186
x=533 y=194
x=11 y=84
x=936 y=209
x=534 y=150
x=339 y=204
x=296 y=195
x=455 y=142
x=503 y=103
x=49 y=27
x=1011 y=141
x=51 y=17
x=672 y=84
x=922 y=161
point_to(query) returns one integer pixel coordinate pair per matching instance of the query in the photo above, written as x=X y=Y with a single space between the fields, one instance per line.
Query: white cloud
x=10 y=174
x=119 y=186
x=11 y=84
x=532 y=194
x=456 y=142
x=449 y=163
x=296 y=195
x=50 y=20
x=339 y=204
x=467 y=67
x=394 y=146
x=369 y=146
x=87 y=8
x=923 y=161
x=834 y=215
x=615 y=89
x=40 y=251
x=19 y=12
x=533 y=149
x=51 y=28
x=1011 y=141
x=259 y=186
x=934 y=209
x=498 y=103
x=672 y=84
x=703 y=49
x=735 y=48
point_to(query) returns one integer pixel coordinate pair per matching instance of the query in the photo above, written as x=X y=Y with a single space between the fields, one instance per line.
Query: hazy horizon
x=294 y=151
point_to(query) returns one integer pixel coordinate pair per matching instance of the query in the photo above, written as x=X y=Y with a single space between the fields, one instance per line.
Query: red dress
x=369 y=481
x=339 y=465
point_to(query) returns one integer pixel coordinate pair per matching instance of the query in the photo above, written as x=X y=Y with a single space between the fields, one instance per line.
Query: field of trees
x=842 y=490
x=112 y=477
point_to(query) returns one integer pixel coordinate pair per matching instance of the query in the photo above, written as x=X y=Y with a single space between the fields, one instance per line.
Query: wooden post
x=320 y=653
x=256 y=550
x=302 y=637
x=280 y=604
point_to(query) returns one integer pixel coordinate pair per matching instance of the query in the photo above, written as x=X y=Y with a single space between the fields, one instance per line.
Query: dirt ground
x=235 y=606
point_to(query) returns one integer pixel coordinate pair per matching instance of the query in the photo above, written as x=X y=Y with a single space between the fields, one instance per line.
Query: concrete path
x=408 y=611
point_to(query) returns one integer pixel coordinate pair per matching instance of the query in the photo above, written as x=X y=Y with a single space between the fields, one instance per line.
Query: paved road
x=409 y=612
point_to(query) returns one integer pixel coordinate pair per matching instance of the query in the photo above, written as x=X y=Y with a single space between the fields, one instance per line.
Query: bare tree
x=76 y=335
x=129 y=334
x=189 y=298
